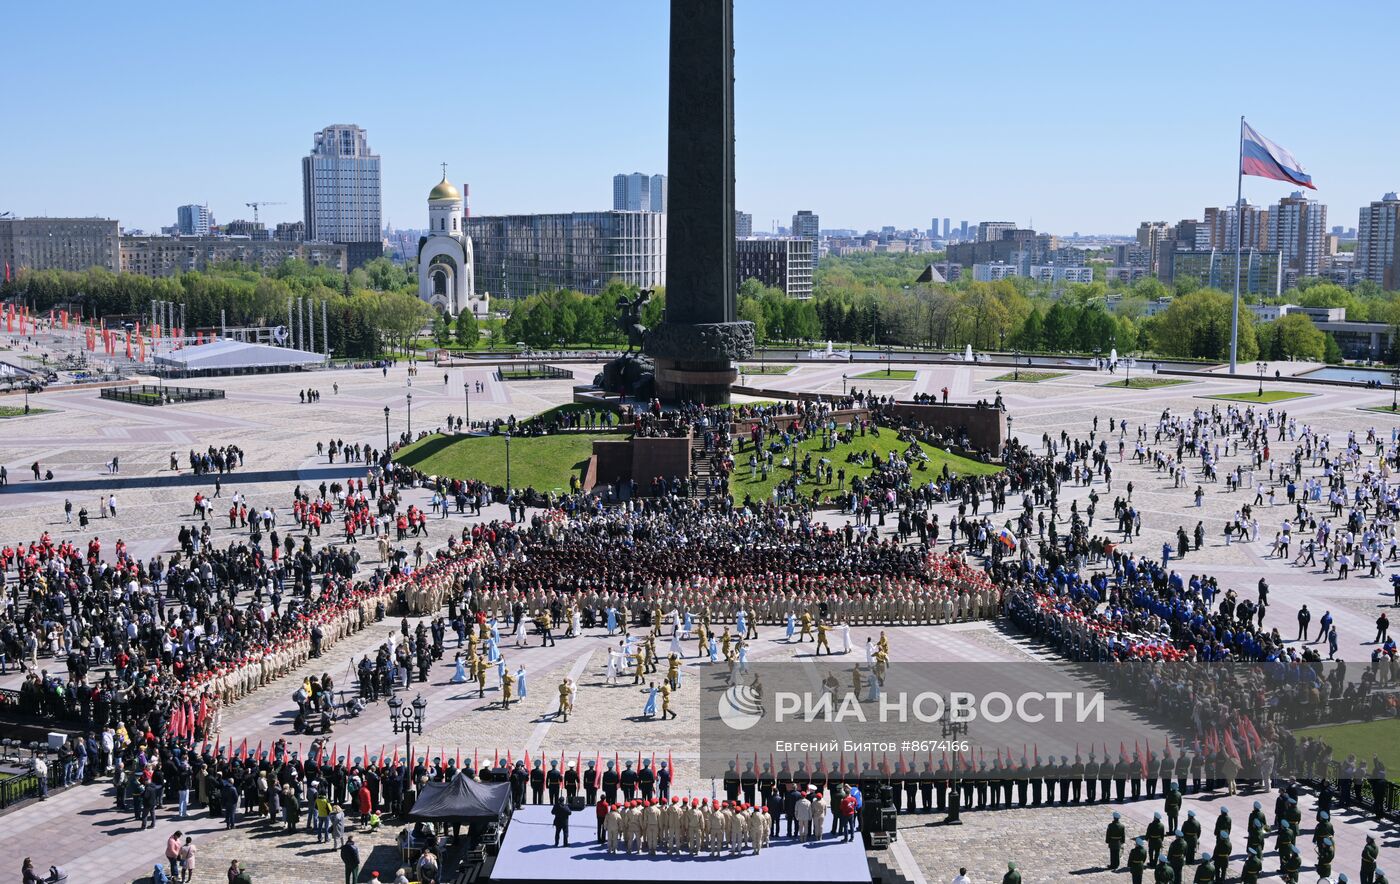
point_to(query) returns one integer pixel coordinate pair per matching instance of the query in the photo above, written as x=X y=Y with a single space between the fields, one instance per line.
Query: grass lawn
x=1146 y=383
x=1367 y=739
x=543 y=462
x=741 y=484
x=1383 y=409
x=1269 y=396
x=765 y=368
x=1028 y=377
x=879 y=374
x=533 y=373
x=18 y=410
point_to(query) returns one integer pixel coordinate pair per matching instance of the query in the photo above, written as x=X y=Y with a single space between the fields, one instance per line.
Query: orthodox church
x=445 y=255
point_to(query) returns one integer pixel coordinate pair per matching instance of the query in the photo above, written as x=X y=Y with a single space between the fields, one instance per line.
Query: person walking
x=187 y=860
x=350 y=855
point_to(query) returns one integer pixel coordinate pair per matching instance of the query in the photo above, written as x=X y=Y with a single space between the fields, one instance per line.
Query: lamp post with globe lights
x=408 y=719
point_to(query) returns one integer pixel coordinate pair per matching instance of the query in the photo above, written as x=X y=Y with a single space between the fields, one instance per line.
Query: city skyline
x=944 y=142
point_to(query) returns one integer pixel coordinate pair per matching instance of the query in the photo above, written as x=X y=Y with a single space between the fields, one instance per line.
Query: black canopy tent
x=461 y=800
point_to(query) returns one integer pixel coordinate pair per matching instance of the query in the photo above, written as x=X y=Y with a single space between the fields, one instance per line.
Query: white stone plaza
x=76 y=435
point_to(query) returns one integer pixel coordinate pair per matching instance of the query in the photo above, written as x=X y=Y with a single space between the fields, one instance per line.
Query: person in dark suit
x=561 y=822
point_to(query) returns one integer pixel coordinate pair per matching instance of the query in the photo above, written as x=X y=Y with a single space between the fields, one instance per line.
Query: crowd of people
x=178 y=638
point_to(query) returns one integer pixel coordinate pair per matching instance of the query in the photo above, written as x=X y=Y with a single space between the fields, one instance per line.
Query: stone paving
x=80 y=433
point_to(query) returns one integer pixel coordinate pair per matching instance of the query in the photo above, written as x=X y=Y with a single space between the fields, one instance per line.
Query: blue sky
x=1083 y=116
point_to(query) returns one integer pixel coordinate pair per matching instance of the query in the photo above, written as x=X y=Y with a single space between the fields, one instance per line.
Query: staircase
x=700 y=462
x=882 y=872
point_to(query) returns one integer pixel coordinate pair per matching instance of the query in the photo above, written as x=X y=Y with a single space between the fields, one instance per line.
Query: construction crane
x=257 y=203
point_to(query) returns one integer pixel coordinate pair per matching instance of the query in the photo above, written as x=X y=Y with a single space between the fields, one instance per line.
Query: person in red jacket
x=603 y=807
x=364 y=804
x=848 y=817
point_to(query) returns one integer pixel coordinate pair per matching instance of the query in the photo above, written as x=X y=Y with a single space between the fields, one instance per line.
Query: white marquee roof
x=237 y=354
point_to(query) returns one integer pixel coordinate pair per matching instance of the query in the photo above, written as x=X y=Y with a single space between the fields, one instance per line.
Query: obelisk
x=695 y=346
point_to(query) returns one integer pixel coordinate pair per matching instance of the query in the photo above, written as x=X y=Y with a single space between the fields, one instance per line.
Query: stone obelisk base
x=695 y=361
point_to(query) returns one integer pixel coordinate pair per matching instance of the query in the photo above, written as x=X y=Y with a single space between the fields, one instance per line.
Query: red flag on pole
x=258 y=755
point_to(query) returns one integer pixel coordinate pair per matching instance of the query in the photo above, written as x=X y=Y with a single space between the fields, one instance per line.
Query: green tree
x=1332 y=353
x=1198 y=325
x=1032 y=330
x=751 y=310
x=442 y=330
x=466 y=329
x=1294 y=335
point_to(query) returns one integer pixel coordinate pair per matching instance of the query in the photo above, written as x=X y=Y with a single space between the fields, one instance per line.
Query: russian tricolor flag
x=1262 y=158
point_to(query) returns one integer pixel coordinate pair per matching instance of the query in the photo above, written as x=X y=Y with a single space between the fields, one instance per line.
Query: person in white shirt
x=962 y=877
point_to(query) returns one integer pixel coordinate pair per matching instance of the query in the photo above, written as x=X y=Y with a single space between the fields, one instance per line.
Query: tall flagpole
x=1239 y=238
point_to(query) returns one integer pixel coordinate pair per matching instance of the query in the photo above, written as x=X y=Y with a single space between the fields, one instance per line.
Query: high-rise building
x=168 y=255
x=639 y=193
x=1224 y=226
x=194 y=220
x=251 y=229
x=340 y=192
x=947 y=228
x=1298 y=231
x=515 y=256
x=783 y=263
x=59 y=243
x=743 y=224
x=1150 y=236
x=1215 y=268
x=290 y=231
x=1378 y=242
x=807 y=225
x=993 y=231
x=962 y=231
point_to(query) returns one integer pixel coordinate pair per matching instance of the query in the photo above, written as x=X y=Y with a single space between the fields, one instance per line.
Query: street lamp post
x=1016 y=365
x=889 y=360
x=1394 y=386
x=386 y=429
x=410 y=417
x=1261 y=367
x=1127 y=369
x=1010 y=419
x=507 y=463
x=467 y=396
x=407 y=720
x=843 y=385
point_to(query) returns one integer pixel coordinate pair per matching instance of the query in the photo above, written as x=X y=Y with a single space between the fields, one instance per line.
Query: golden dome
x=445 y=190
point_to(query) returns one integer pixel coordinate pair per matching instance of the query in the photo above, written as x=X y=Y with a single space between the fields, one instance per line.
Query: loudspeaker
x=577 y=803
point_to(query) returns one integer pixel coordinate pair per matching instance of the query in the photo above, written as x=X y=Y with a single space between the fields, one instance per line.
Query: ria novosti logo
x=740 y=707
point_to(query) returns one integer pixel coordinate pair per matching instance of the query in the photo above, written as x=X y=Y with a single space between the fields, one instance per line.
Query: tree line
x=369 y=311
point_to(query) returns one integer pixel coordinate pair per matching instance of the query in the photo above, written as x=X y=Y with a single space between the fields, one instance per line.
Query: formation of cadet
x=1213 y=865
x=679 y=826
